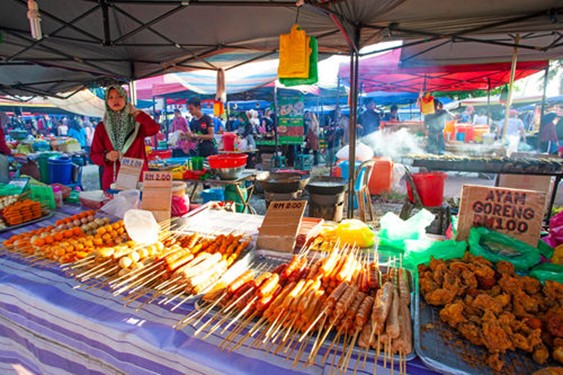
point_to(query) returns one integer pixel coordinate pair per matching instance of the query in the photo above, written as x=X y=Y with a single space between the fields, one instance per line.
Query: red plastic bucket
x=430 y=187
x=229 y=141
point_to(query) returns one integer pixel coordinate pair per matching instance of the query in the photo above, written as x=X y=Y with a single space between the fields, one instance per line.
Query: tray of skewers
x=478 y=317
x=312 y=306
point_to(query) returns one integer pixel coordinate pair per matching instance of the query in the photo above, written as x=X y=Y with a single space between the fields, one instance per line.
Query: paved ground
x=382 y=205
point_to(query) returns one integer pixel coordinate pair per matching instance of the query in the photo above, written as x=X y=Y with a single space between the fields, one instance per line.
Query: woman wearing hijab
x=548 y=140
x=121 y=133
x=77 y=132
x=312 y=139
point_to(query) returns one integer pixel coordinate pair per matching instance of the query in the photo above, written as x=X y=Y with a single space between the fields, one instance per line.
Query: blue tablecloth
x=47 y=326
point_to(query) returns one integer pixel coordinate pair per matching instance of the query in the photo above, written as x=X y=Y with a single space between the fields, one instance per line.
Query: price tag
x=515 y=212
x=157 y=194
x=129 y=173
x=280 y=225
x=20 y=183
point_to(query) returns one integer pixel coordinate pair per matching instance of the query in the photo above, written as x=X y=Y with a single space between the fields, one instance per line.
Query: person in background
x=306 y=121
x=62 y=129
x=232 y=123
x=77 y=132
x=4 y=149
x=467 y=115
x=480 y=118
x=180 y=124
x=312 y=139
x=267 y=124
x=218 y=125
x=369 y=120
x=41 y=125
x=202 y=130
x=515 y=127
x=333 y=134
x=246 y=130
x=89 y=130
x=393 y=115
x=435 y=124
x=121 y=133
x=559 y=131
x=548 y=140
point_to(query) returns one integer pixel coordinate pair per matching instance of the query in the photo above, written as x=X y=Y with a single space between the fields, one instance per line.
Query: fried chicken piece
x=541 y=354
x=510 y=285
x=453 y=313
x=495 y=362
x=505 y=268
x=527 y=344
x=494 y=291
x=434 y=263
x=558 y=354
x=471 y=332
x=484 y=271
x=554 y=321
x=485 y=302
x=554 y=291
x=439 y=273
x=481 y=261
x=503 y=299
x=440 y=297
x=496 y=338
x=530 y=285
x=518 y=308
x=423 y=268
x=427 y=284
x=459 y=267
x=469 y=279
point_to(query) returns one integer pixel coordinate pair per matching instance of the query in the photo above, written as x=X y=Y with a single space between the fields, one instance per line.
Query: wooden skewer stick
x=92 y=270
x=345 y=347
x=180 y=294
x=338 y=334
x=169 y=292
x=312 y=325
x=310 y=360
x=217 y=325
x=299 y=353
x=238 y=330
x=105 y=272
x=366 y=355
x=349 y=355
x=320 y=343
x=240 y=314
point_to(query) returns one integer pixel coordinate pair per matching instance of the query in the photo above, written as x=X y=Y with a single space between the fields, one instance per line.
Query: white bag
x=123 y=202
x=141 y=226
x=363 y=152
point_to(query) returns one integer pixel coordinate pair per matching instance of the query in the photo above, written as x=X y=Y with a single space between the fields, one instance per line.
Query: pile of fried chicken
x=492 y=306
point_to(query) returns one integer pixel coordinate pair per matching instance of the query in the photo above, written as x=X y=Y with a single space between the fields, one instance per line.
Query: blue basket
x=213 y=194
x=60 y=170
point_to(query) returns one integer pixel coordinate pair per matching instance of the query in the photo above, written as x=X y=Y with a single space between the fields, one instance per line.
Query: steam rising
x=394 y=144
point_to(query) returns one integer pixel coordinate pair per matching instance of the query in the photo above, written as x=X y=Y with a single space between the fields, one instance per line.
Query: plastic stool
x=304 y=162
x=278 y=162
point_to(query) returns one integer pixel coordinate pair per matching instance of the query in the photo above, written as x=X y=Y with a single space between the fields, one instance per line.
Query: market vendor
x=202 y=129
x=121 y=133
x=435 y=124
x=183 y=147
x=4 y=149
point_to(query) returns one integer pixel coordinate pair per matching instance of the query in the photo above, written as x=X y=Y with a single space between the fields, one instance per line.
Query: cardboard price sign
x=157 y=194
x=515 y=212
x=129 y=173
x=281 y=225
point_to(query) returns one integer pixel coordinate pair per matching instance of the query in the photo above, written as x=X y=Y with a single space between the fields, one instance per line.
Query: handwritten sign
x=157 y=194
x=129 y=173
x=515 y=212
x=280 y=225
x=20 y=183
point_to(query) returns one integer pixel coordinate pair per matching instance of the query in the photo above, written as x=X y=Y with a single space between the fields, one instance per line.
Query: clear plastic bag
x=141 y=226
x=123 y=202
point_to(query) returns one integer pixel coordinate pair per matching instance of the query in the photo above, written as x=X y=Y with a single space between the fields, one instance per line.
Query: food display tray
x=443 y=349
x=268 y=260
x=39 y=219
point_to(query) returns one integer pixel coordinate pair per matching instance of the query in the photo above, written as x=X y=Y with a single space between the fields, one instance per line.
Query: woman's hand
x=133 y=111
x=112 y=156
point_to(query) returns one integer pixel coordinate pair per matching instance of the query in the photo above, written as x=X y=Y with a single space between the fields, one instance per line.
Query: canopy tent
x=84 y=103
x=93 y=42
x=386 y=73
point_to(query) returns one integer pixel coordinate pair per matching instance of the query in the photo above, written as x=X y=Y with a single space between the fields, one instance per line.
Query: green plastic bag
x=545 y=249
x=495 y=247
x=313 y=68
x=548 y=271
x=420 y=252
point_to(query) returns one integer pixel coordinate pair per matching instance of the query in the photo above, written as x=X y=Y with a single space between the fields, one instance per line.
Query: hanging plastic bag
x=395 y=231
x=421 y=251
x=495 y=246
x=313 y=68
x=123 y=202
x=426 y=102
x=141 y=226
x=555 y=237
x=294 y=54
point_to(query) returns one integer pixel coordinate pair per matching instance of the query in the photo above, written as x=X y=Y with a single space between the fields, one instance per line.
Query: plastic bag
x=421 y=251
x=294 y=54
x=123 y=202
x=394 y=230
x=555 y=237
x=548 y=271
x=141 y=226
x=174 y=138
x=496 y=246
x=313 y=68
x=363 y=152
x=398 y=173
x=180 y=205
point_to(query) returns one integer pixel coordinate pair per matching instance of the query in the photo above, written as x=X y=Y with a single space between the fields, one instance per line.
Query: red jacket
x=101 y=145
x=4 y=149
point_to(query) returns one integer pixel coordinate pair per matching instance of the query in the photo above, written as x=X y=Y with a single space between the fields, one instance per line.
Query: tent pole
x=276 y=141
x=511 y=86
x=354 y=62
x=489 y=120
x=544 y=91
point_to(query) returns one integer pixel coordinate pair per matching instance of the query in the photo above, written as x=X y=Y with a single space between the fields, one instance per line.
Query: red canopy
x=385 y=73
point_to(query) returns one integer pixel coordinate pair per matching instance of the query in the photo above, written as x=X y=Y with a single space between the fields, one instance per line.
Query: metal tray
x=443 y=349
x=257 y=258
x=39 y=219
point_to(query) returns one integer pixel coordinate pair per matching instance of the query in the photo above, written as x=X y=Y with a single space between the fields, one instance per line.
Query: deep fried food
x=471 y=332
x=496 y=338
x=495 y=362
x=554 y=321
x=453 y=313
x=505 y=268
x=554 y=291
x=440 y=297
x=541 y=354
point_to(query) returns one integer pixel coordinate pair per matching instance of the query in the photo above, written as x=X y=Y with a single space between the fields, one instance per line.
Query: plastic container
x=93 y=199
x=58 y=193
x=229 y=141
x=227 y=160
x=179 y=188
x=60 y=170
x=449 y=130
x=159 y=154
x=42 y=161
x=197 y=163
x=430 y=187
x=381 y=176
x=480 y=131
x=213 y=194
x=344 y=172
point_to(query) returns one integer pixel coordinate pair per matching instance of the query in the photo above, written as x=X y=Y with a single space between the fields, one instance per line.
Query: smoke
x=394 y=144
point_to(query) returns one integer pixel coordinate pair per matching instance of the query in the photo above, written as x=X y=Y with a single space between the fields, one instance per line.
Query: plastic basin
x=227 y=161
x=430 y=187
